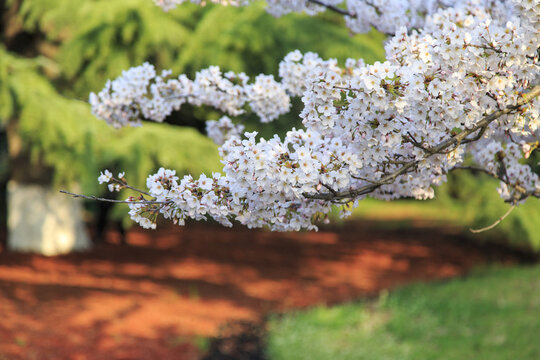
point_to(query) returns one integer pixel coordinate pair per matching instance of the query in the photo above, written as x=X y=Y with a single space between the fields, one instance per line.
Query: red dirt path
x=153 y=298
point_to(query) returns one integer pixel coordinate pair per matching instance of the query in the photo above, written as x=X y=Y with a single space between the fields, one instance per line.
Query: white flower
x=105 y=176
x=205 y=183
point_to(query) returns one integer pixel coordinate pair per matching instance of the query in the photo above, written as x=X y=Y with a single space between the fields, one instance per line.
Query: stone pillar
x=42 y=220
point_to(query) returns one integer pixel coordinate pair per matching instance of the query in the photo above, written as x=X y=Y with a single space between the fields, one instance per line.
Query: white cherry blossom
x=460 y=80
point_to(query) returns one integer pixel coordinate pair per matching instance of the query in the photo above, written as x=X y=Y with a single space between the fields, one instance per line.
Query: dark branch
x=329 y=188
x=124 y=184
x=345 y=12
x=91 y=197
x=333 y=8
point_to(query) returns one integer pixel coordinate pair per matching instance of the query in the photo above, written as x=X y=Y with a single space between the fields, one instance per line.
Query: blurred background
x=53 y=53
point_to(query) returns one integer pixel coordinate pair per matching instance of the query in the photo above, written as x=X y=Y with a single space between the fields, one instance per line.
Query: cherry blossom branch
x=140 y=93
x=460 y=138
x=135 y=201
x=430 y=83
x=124 y=184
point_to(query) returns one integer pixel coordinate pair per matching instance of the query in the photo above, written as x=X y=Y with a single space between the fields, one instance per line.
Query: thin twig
x=417 y=144
x=485 y=47
x=347 y=13
x=477 y=137
x=124 y=184
x=495 y=223
x=333 y=8
x=91 y=197
x=376 y=182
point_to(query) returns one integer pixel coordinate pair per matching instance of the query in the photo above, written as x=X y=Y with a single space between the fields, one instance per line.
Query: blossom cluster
x=299 y=71
x=142 y=94
x=455 y=86
x=503 y=161
x=106 y=177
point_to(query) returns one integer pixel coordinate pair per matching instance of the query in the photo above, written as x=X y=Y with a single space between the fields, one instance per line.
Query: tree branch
x=495 y=223
x=124 y=184
x=333 y=8
x=91 y=197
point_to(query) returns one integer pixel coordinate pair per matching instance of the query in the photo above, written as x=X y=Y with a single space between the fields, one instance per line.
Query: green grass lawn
x=493 y=314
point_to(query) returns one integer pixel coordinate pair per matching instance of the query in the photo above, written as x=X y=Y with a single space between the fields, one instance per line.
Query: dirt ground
x=162 y=294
